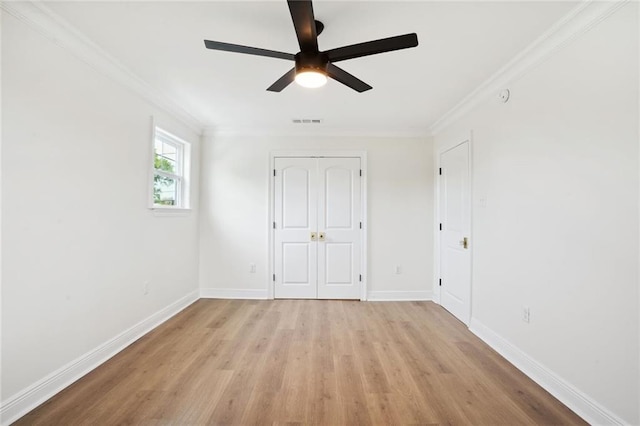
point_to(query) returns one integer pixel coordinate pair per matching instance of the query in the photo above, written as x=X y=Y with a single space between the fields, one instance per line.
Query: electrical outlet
x=252 y=268
x=145 y=287
x=526 y=314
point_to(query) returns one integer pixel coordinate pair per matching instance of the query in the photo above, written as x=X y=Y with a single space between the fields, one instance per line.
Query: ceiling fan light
x=311 y=78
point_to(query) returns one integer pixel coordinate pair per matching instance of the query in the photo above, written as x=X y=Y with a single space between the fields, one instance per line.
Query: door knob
x=321 y=236
x=313 y=236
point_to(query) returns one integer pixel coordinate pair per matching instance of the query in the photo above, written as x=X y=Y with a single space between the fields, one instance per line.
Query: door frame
x=362 y=155
x=448 y=144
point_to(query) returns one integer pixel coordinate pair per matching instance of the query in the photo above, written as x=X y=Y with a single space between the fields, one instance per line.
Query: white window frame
x=183 y=170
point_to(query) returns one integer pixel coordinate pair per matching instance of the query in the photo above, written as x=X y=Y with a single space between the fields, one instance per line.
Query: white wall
x=558 y=168
x=234 y=225
x=78 y=238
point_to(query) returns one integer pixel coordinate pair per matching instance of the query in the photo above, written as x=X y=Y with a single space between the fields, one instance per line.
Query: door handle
x=321 y=236
x=465 y=243
x=313 y=236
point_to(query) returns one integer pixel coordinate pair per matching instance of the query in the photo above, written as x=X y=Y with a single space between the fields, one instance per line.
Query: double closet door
x=317 y=228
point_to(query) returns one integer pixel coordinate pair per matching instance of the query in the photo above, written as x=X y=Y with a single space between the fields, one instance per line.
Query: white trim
x=365 y=227
x=28 y=399
x=332 y=153
x=170 y=212
x=399 y=296
x=233 y=293
x=43 y=20
x=1 y=174
x=583 y=405
x=362 y=155
x=638 y=259
x=582 y=18
x=270 y=219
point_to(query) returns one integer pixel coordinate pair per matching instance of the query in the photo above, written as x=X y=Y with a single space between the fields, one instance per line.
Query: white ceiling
x=461 y=45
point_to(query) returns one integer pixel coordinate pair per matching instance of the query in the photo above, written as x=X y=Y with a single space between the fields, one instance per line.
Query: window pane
x=165 y=191
x=170 y=162
x=165 y=158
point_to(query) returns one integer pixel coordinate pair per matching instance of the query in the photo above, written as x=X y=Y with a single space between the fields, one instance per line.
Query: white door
x=317 y=228
x=455 y=218
x=339 y=228
x=296 y=227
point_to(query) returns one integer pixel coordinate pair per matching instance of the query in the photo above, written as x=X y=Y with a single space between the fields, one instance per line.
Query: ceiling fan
x=312 y=67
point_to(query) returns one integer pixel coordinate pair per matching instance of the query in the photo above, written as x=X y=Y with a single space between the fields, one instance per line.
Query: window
x=170 y=171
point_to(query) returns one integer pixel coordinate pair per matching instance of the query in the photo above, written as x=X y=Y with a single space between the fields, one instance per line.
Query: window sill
x=170 y=211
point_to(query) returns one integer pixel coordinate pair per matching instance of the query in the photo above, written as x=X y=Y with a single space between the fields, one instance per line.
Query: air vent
x=306 y=121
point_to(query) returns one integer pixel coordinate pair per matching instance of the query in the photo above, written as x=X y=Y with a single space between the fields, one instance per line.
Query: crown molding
x=43 y=20
x=580 y=20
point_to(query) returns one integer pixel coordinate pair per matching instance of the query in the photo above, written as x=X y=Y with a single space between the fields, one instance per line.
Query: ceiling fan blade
x=283 y=81
x=347 y=79
x=228 y=47
x=373 y=47
x=305 y=24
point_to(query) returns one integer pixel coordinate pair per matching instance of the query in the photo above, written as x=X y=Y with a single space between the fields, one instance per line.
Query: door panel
x=455 y=215
x=339 y=264
x=339 y=220
x=295 y=263
x=339 y=194
x=296 y=188
x=295 y=214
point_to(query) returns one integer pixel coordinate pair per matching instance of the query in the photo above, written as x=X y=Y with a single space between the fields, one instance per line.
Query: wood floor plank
x=295 y=400
x=297 y=362
x=324 y=407
x=351 y=393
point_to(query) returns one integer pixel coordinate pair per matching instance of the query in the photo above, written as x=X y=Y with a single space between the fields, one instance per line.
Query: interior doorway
x=455 y=229
x=318 y=227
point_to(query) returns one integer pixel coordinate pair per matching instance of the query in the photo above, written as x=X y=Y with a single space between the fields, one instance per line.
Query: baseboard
x=29 y=398
x=233 y=293
x=398 y=296
x=581 y=404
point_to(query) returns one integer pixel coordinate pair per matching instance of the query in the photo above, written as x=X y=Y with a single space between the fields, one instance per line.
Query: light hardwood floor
x=305 y=362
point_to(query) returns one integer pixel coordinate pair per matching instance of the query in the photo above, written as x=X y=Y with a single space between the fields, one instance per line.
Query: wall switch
x=252 y=268
x=526 y=314
x=145 y=287
x=397 y=270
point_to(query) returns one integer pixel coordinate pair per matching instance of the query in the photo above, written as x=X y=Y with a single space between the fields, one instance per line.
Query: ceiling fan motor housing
x=311 y=62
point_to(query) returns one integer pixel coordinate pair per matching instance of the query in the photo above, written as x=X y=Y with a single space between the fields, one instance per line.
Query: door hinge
x=439 y=282
x=360 y=278
x=360 y=225
x=274 y=225
x=439 y=171
x=361 y=172
x=274 y=277
x=274 y=172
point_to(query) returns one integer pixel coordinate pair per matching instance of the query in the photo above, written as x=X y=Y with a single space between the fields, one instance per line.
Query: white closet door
x=296 y=260
x=339 y=216
x=455 y=213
